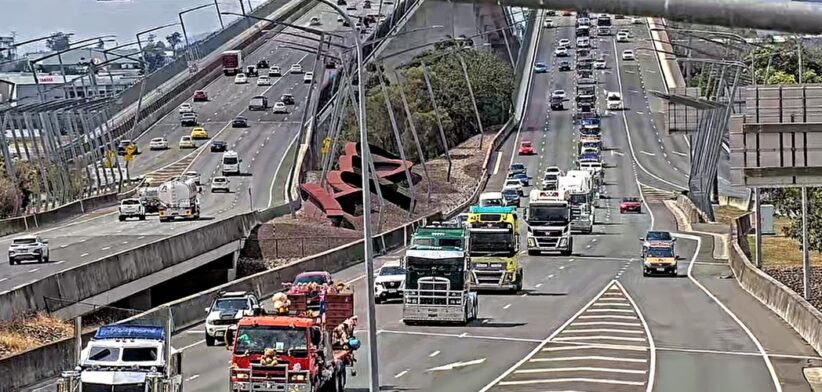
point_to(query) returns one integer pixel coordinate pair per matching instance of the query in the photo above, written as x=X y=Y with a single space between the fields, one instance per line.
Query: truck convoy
x=296 y=348
x=126 y=358
x=179 y=199
x=578 y=187
x=438 y=277
x=493 y=245
x=549 y=223
x=232 y=62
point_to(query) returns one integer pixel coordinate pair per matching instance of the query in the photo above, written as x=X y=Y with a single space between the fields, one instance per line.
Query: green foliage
x=58 y=41
x=780 y=77
x=154 y=53
x=491 y=79
x=788 y=202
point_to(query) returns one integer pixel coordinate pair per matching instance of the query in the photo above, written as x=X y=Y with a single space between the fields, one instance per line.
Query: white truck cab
x=491 y=199
x=132 y=208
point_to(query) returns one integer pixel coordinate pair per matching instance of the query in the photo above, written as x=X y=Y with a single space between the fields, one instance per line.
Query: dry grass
x=25 y=332
x=725 y=214
x=779 y=250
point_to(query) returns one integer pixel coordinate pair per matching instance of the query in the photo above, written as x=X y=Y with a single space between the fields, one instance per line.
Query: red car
x=630 y=204
x=525 y=148
x=200 y=95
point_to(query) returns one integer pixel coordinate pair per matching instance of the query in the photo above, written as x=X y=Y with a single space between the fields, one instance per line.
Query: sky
x=30 y=19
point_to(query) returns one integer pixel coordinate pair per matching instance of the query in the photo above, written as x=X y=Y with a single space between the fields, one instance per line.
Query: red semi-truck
x=294 y=348
x=232 y=62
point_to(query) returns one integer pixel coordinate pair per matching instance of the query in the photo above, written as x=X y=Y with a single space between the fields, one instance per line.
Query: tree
x=174 y=39
x=788 y=202
x=154 y=54
x=58 y=41
x=780 y=77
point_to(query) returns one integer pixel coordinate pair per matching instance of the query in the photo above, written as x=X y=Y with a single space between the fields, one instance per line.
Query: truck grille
x=489 y=277
x=547 y=233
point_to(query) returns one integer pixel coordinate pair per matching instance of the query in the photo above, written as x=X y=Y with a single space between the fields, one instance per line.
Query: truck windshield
x=451 y=269
x=547 y=214
x=500 y=244
x=578 y=198
x=660 y=252
x=254 y=340
x=230 y=161
x=230 y=305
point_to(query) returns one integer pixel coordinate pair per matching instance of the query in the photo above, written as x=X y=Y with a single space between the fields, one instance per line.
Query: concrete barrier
x=56 y=215
x=805 y=319
x=694 y=215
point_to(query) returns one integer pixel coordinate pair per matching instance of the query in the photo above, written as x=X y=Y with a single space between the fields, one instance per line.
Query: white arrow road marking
x=451 y=366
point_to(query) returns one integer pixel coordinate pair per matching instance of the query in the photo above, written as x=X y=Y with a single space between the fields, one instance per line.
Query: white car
x=584 y=21
x=558 y=94
x=158 y=143
x=553 y=170
x=240 y=78
x=623 y=36
x=583 y=42
x=131 y=208
x=549 y=23
x=279 y=107
x=274 y=71
x=315 y=21
x=614 y=100
x=192 y=175
x=28 y=248
x=263 y=81
x=636 y=20
x=219 y=184
x=185 y=107
x=600 y=64
x=628 y=55
x=226 y=311
x=296 y=68
x=513 y=182
x=186 y=142
x=561 y=52
x=308 y=77
x=390 y=282
x=564 y=43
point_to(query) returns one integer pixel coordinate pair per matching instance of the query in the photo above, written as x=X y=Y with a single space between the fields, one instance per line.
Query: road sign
x=128 y=157
x=107 y=163
x=326 y=146
x=130 y=149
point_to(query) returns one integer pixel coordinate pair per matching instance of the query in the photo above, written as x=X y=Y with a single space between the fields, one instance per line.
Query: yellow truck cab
x=659 y=258
x=493 y=247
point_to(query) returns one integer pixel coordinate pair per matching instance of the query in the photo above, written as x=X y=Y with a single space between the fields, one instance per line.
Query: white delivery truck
x=578 y=186
x=179 y=199
x=491 y=199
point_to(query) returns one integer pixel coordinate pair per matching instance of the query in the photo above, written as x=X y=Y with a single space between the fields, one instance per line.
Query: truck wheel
x=45 y=259
x=121 y=218
x=519 y=280
x=11 y=261
x=142 y=217
x=532 y=252
x=209 y=341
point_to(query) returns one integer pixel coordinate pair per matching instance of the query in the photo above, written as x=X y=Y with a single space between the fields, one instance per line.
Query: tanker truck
x=179 y=199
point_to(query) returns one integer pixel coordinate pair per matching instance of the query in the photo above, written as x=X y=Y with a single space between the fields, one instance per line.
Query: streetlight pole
x=183 y=25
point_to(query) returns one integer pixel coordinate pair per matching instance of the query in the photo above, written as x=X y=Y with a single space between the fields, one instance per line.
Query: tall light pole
x=185 y=11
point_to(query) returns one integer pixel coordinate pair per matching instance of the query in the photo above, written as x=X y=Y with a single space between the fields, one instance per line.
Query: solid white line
x=599 y=330
x=499 y=160
x=463 y=335
x=191 y=345
x=597 y=337
x=400 y=374
x=573 y=379
x=612 y=310
x=596 y=346
x=682 y=154
x=651 y=344
x=599 y=304
x=579 y=369
x=546 y=341
x=647 y=153
x=742 y=325
x=591 y=358
x=613 y=323
x=3 y=279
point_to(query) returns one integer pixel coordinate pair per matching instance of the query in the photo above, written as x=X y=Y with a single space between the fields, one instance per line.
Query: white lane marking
x=434 y=354
x=587 y=346
x=680 y=153
x=608 y=316
x=506 y=306
x=499 y=160
x=193 y=377
x=572 y=380
x=550 y=276
x=598 y=337
x=400 y=374
x=611 y=323
x=63 y=246
x=141 y=237
x=464 y=335
x=580 y=369
x=590 y=357
x=538 y=285
x=599 y=330
x=610 y=304
x=451 y=366
x=611 y=310
x=742 y=325
x=33 y=270
x=542 y=344
x=562 y=267
x=647 y=153
x=106 y=248
x=84 y=255
x=4 y=279
x=191 y=345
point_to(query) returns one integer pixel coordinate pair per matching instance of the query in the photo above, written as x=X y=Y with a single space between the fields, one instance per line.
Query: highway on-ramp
x=266 y=148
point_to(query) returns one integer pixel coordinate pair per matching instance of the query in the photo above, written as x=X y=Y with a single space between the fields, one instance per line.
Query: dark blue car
x=540 y=67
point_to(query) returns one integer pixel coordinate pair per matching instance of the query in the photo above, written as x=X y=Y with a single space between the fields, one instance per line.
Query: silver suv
x=28 y=248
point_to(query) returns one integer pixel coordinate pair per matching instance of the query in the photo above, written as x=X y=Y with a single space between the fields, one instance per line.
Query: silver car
x=28 y=248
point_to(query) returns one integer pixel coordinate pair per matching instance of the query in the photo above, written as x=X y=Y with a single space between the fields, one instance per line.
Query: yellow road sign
x=128 y=157
x=326 y=146
x=106 y=163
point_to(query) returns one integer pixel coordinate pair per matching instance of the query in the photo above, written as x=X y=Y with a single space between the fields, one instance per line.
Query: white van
x=491 y=199
x=583 y=42
x=231 y=163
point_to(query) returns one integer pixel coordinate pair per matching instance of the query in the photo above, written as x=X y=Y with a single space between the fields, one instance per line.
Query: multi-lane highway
x=265 y=147
x=589 y=321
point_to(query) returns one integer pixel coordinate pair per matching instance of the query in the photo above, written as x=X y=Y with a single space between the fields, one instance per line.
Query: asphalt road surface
x=263 y=147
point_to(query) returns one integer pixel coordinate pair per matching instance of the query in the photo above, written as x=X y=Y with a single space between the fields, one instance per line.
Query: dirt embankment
x=25 y=332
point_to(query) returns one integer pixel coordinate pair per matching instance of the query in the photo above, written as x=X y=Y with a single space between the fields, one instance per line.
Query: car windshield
x=660 y=252
x=658 y=236
x=24 y=241
x=230 y=305
x=389 y=271
x=526 y=144
x=510 y=193
x=219 y=180
x=230 y=160
x=186 y=138
x=630 y=200
x=255 y=339
x=319 y=279
x=131 y=202
x=157 y=140
x=515 y=183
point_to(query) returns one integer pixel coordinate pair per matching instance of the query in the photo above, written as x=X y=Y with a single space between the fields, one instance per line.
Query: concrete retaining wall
x=694 y=215
x=57 y=215
x=798 y=313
